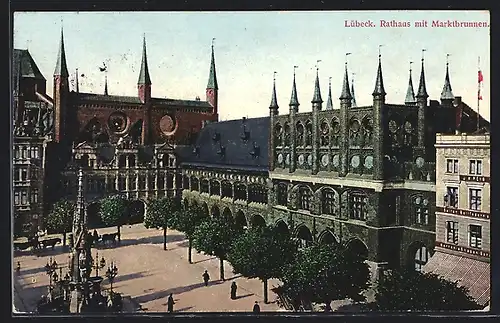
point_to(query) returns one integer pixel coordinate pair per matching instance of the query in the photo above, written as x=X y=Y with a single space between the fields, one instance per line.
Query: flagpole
x=478 y=91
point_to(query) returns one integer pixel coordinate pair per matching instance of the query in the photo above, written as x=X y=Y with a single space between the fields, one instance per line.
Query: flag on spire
x=480 y=83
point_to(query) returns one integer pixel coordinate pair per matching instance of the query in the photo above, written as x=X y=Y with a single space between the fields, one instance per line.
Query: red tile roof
x=471 y=273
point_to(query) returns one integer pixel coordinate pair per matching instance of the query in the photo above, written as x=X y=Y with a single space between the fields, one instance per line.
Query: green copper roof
x=212 y=76
x=410 y=95
x=274 y=101
x=329 y=103
x=293 y=99
x=61 y=66
x=317 y=90
x=379 y=83
x=422 y=91
x=447 y=93
x=346 y=92
x=144 y=77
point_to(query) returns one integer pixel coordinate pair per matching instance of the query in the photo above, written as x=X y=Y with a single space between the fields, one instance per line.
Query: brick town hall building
x=361 y=176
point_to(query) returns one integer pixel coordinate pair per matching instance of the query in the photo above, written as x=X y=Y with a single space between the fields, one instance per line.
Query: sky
x=250 y=46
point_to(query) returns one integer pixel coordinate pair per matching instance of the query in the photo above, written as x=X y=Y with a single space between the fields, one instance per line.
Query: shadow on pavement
x=126 y=277
x=59 y=249
x=29 y=296
x=183 y=309
x=152 y=240
x=197 y=262
x=243 y=296
x=175 y=291
x=32 y=271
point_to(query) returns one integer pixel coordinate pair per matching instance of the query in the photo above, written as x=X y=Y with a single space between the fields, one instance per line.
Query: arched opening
x=84 y=160
x=240 y=222
x=226 y=189
x=258 y=221
x=93 y=218
x=215 y=211
x=281 y=229
x=214 y=187
x=327 y=237
x=418 y=256
x=304 y=236
x=357 y=247
x=227 y=216
x=137 y=209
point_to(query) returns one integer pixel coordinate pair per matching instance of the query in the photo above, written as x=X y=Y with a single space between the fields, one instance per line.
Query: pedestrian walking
x=206 y=277
x=256 y=307
x=18 y=267
x=170 y=304
x=233 y=290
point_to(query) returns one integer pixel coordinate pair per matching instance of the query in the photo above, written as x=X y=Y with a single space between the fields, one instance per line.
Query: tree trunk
x=266 y=301
x=119 y=235
x=328 y=307
x=190 y=248
x=222 y=269
x=165 y=238
x=64 y=239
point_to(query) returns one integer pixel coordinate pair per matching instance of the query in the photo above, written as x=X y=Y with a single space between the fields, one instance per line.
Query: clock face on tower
x=167 y=125
x=117 y=122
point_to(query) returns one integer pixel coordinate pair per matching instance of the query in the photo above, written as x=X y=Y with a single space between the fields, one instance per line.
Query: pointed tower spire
x=410 y=95
x=61 y=66
x=77 y=82
x=447 y=93
x=294 y=102
x=317 y=90
x=274 y=101
x=212 y=76
x=144 y=78
x=422 y=91
x=353 y=104
x=329 y=103
x=106 y=84
x=379 y=83
x=346 y=92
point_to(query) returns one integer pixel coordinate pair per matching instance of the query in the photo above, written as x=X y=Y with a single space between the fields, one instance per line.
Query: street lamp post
x=111 y=273
x=98 y=264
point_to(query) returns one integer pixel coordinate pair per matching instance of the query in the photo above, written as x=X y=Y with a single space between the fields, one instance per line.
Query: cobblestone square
x=147 y=275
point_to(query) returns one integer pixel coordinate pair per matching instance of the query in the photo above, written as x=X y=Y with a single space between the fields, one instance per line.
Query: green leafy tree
x=322 y=273
x=405 y=290
x=259 y=253
x=187 y=220
x=113 y=211
x=214 y=238
x=159 y=214
x=60 y=218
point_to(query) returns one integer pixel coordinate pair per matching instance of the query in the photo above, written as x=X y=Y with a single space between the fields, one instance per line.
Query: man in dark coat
x=233 y=290
x=256 y=307
x=170 y=304
x=206 y=277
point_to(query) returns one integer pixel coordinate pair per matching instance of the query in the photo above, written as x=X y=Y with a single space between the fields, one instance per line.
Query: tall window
x=421 y=209
x=452 y=232
x=475 y=236
x=133 y=183
x=452 y=166
x=121 y=183
x=161 y=182
x=17 y=153
x=204 y=186
x=16 y=174
x=152 y=181
x=357 y=203
x=328 y=202
x=305 y=197
x=300 y=135
x=287 y=135
x=451 y=197
x=308 y=133
x=24 y=197
x=24 y=174
x=34 y=195
x=475 y=199
x=194 y=184
x=170 y=182
x=142 y=183
x=281 y=194
x=421 y=257
x=476 y=167
x=17 y=198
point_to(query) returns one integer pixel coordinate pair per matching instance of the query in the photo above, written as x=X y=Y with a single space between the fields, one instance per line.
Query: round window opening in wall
x=335 y=160
x=117 y=122
x=280 y=158
x=325 y=160
x=287 y=159
x=301 y=159
x=310 y=160
x=167 y=125
x=368 y=162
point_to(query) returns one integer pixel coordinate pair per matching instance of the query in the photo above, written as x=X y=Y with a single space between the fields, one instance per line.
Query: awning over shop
x=471 y=273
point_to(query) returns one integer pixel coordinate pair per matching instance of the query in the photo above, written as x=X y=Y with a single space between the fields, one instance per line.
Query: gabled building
x=32 y=129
